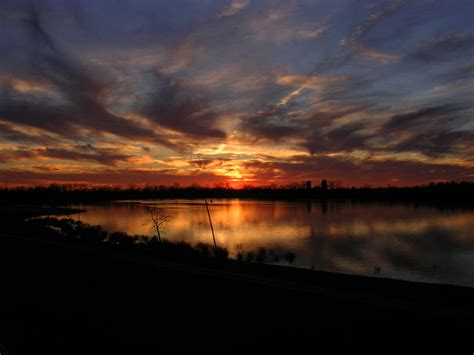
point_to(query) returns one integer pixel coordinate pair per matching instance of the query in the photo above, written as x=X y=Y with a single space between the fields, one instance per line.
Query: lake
x=401 y=241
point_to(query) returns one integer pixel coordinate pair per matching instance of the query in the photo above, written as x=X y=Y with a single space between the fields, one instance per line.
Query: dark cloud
x=82 y=90
x=42 y=115
x=273 y=127
x=8 y=133
x=86 y=153
x=423 y=118
x=66 y=119
x=438 y=143
x=460 y=72
x=444 y=48
x=109 y=176
x=204 y=163
x=375 y=18
x=431 y=130
x=181 y=110
x=355 y=172
x=22 y=153
x=361 y=91
x=299 y=168
x=315 y=131
x=343 y=138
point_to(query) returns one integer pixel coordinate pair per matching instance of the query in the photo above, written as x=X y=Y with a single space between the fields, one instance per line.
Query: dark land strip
x=65 y=298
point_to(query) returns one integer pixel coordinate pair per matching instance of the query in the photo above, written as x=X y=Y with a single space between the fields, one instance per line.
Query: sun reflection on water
x=403 y=241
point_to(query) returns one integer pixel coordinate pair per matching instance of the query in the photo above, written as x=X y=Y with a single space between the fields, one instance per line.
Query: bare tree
x=157 y=219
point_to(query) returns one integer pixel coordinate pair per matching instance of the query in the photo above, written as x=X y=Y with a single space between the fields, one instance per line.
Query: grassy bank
x=42 y=222
x=63 y=297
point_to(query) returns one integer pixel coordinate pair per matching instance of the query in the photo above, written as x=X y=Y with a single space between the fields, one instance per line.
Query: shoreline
x=32 y=212
x=89 y=272
x=445 y=195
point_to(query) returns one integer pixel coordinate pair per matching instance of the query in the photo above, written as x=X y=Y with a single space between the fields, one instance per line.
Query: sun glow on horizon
x=254 y=93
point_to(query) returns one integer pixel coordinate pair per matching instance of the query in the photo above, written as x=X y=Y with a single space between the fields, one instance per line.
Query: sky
x=238 y=92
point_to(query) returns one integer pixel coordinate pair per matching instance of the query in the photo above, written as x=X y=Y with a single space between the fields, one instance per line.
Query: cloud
x=438 y=143
x=422 y=117
x=317 y=82
x=318 y=132
x=431 y=130
x=273 y=128
x=458 y=72
x=354 y=43
x=83 y=94
x=12 y=133
x=28 y=86
x=181 y=56
x=173 y=107
x=372 y=54
x=355 y=172
x=301 y=82
x=234 y=8
x=345 y=137
x=374 y=19
x=7 y=156
x=181 y=88
x=66 y=119
x=87 y=153
x=281 y=24
x=78 y=153
x=312 y=33
x=208 y=163
x=444 y=47
x=109 y=177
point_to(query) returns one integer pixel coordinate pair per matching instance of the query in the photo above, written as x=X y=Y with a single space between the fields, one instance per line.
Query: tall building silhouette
x=324 y=184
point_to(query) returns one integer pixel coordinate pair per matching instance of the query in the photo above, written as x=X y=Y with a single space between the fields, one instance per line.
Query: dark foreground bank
x=63 y=299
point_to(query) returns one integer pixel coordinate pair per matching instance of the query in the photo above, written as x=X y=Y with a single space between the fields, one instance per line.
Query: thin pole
x=212 y=229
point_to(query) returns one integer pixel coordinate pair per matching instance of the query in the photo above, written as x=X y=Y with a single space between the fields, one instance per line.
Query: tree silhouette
x=157 y=219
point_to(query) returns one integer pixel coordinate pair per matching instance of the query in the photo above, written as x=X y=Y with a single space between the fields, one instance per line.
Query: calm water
x=381 y=240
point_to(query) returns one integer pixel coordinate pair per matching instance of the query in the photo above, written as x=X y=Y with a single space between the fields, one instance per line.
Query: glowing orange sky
x=236 y=92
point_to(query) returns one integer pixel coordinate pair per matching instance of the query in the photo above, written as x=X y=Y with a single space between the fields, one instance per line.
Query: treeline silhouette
x=456 y=193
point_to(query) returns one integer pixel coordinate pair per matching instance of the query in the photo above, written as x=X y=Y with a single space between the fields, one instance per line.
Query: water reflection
x=388 y=240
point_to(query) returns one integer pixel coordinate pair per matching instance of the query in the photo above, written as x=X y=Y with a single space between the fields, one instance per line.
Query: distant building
x=308 y=185
x=324 y=184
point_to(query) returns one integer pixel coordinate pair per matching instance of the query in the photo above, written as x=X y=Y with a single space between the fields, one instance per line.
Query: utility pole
x=212 y=229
